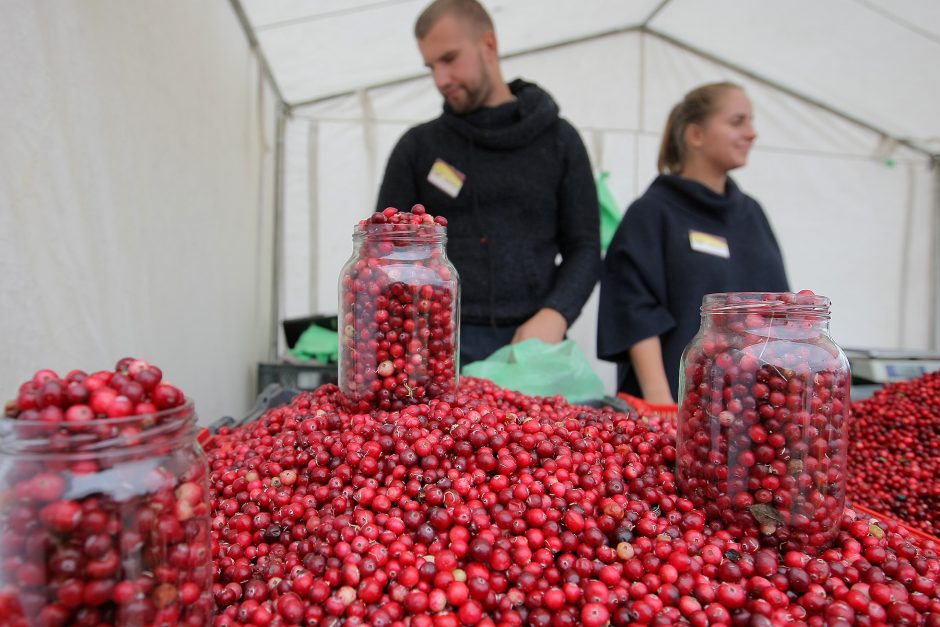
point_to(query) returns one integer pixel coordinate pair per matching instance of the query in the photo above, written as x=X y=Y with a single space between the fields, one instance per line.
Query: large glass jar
x=105 y=522
x=762 y=428
x=399 y=317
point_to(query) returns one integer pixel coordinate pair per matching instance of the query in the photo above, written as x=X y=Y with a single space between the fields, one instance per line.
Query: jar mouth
x=400 y=232
x=765 y=303
x=92 y=437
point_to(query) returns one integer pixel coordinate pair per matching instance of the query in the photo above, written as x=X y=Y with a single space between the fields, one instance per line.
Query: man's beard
x=475 y=96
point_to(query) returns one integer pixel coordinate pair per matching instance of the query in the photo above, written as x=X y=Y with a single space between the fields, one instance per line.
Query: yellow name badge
x=709 y=244
x=446 y=178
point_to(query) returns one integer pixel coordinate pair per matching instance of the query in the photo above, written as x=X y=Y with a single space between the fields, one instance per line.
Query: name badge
x=446 y=178
x=709 y=244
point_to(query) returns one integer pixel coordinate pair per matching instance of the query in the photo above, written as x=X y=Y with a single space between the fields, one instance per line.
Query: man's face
x=458 y=63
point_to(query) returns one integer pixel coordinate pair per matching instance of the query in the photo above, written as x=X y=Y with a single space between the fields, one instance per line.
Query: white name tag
x=446 y=178
x=709 y=244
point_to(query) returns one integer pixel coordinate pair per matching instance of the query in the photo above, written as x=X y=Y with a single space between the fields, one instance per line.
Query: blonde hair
x=695 y=108
x=470 y=12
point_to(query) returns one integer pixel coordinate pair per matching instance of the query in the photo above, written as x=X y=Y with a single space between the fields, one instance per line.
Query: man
x=513 y=180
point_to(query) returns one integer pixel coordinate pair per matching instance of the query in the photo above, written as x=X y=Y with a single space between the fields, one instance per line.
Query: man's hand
x=547 y=325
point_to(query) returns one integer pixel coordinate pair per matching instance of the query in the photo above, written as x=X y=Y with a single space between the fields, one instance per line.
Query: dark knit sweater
x=653 y=281
x=528 y=196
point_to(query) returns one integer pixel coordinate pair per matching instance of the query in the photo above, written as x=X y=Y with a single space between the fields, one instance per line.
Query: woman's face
x=725 y=139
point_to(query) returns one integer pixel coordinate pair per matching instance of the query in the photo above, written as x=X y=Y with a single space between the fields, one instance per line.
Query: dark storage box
x=306 y=376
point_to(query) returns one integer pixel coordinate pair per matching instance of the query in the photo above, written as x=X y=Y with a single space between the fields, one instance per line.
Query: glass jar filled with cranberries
x=763 y=412
x=399 y=312
x=104 y=503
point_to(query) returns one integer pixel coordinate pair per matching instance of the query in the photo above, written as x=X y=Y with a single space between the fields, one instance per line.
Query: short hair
x=469 y=11
x=696 y=107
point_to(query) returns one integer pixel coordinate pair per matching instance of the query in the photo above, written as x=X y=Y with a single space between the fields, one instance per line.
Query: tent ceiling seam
x=293 y=106
x=785 y=89
x=900 y=22
x=511 y=55
x=257 y=50
x=319 y=16
x=654 y=13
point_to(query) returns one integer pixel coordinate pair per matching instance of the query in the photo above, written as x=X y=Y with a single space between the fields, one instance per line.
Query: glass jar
x=105 y=522
x=399 y=317
x=763 y=417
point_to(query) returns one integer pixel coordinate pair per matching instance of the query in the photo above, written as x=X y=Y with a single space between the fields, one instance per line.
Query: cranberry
x=165 y=396
x=61 y=516
x=893 y=436
x=47 y=486
x=594 y=615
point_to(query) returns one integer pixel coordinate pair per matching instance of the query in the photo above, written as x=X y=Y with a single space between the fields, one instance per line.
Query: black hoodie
x=654 y=279
x=528 y=195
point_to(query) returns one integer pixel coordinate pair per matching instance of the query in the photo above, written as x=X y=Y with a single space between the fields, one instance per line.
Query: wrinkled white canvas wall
x=851 y=227
x=135 y=195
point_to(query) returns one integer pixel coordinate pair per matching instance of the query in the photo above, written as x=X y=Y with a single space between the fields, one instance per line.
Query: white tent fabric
x=136 y=193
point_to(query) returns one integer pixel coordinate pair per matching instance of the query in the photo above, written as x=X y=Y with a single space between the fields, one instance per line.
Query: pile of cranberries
x=763 y=421
x=104 y=514
x=398 y=312
x=895 y=437
x=133 y=388
x=489 y=507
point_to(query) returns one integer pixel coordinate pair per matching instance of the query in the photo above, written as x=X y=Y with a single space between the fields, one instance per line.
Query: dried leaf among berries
x=765 y=514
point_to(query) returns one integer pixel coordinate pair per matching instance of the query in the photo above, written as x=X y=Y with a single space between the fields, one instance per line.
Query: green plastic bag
x=539 y=369
x=610 y=211
x=317 y=343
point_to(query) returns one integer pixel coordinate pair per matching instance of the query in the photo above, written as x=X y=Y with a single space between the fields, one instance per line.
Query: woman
x=693 y=232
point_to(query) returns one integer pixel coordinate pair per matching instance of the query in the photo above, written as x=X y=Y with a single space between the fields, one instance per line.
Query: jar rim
x=35 y=438
x=765 y=302
x=188 y=406
x=403 y=231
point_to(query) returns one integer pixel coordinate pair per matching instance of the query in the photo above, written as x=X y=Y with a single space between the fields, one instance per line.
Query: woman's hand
x=647 y=358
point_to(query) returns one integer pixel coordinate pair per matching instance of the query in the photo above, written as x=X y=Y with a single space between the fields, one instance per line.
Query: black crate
x=307 y=376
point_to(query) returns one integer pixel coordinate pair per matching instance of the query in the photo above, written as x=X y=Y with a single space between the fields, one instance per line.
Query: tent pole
x=313 y=198
x=934 y=333
x=276 y=234
x=283 y=110
x=256 y=48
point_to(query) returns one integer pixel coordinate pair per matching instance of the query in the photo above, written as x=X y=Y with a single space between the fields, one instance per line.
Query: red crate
x=912 y=530
x=670 y=412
